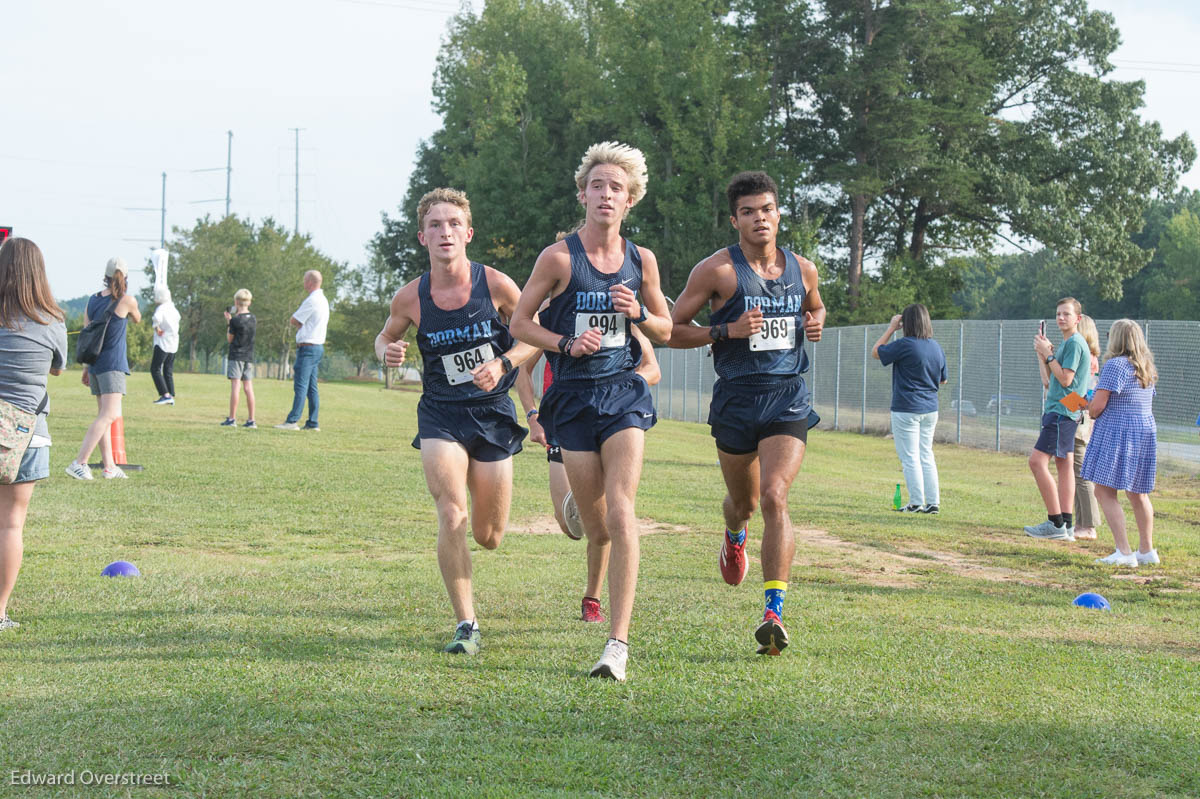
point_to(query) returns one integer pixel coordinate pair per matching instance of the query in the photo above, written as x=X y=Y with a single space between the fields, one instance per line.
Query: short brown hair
x=1073 y=302
x=24 y=289
x=442 y=195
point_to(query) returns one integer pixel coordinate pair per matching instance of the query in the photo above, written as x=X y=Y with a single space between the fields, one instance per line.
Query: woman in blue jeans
x=918 y=370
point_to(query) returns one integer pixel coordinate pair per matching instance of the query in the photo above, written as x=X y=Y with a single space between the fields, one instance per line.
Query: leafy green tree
x=214 y=259
x=942 y=125
x=1173 y=292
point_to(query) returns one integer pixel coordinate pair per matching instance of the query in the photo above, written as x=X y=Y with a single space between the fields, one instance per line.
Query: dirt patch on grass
x=895 y=569
x=545 y=525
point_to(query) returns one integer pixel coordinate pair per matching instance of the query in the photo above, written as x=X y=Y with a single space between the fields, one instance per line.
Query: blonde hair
x=242 y=298
x=1087 y=329
x=442 y=195
x=1125 y=338
x=620 y=155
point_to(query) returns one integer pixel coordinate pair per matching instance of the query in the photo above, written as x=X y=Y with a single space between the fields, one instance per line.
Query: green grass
x=284 y=638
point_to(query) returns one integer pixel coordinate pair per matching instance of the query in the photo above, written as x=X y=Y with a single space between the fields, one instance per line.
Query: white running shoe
x=611 y=665
x=79 y=471
x=1147 y=558
x=117 y=473
x=1117 y=559
x=287 y=426
x=570 y=512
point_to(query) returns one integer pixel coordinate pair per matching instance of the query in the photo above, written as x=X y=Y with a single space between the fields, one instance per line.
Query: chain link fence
x=992 y=400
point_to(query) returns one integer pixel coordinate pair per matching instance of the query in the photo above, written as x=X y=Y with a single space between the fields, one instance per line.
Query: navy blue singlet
x=780 y=299
x=452 y=343
x=586 y=302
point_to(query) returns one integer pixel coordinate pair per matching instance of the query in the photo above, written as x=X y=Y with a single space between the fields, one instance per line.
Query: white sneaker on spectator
x=117 y=473
x=79 y=471
x=1147 y=558
x=1117 y=559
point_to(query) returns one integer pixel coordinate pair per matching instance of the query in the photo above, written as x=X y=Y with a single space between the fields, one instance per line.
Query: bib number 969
x=778 y=333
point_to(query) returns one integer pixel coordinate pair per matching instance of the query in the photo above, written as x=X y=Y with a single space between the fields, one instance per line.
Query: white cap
x=115 y=265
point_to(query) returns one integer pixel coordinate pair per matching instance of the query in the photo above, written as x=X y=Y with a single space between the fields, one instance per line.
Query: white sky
x=99 y=97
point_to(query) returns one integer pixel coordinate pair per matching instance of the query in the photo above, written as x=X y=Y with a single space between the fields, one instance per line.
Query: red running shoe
x=733 y=560
x=772 y=638
x=591 y=610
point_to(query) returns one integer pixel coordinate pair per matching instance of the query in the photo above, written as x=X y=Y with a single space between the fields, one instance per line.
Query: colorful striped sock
x=738 y=538
x=775 y=590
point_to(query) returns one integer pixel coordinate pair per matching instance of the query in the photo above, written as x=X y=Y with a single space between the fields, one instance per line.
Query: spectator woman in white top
x=33 y=344
x=166 y=344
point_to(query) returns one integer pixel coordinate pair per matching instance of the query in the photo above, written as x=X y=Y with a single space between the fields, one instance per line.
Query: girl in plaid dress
x=1121 y=454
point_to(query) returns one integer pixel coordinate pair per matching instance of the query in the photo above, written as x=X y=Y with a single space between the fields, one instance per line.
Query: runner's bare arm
x=550 y=277
x=390 y=345
x=505 y=295
x=648 y=367
x=657 y=324
x=814 y=308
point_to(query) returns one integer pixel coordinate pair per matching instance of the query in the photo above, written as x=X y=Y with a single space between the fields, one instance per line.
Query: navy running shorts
x=1058 y=435
x=487 y=430
x=582 y=418
x=742 y=417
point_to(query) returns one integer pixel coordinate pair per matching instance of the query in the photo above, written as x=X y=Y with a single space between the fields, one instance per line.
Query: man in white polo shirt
x=312 y=320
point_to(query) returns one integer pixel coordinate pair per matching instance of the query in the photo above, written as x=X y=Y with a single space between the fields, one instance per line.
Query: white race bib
x=611 y=324
x=458 y=365
x=778 y=333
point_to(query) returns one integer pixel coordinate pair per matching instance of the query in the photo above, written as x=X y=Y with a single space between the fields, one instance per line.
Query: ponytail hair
x=116 y=284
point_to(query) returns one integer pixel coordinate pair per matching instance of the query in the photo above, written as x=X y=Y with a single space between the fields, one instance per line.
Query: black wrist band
x=564 y=344
x=714 y=332
x=530 y=414
x=506 y=363
x=641 y=318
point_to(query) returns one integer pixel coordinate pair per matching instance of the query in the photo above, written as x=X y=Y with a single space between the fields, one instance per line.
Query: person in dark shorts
x=764 y=303
x=239 y=366
x=598 y=408
x=467 y=431
x=566 y=511
x=1064 y=371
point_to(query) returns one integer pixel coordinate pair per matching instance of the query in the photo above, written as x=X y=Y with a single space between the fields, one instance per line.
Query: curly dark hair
x=744 y=184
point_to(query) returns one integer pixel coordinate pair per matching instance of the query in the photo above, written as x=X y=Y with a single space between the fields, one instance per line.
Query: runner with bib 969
x=764 y=302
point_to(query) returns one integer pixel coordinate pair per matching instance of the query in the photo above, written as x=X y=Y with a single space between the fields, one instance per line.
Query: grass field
x=284 y=639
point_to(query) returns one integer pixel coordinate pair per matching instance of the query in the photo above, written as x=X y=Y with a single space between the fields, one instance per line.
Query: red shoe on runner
x=733 y=560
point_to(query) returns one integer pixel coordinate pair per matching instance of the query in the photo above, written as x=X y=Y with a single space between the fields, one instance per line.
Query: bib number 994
x=611 y=326
x=459 y=365
x=778 y=333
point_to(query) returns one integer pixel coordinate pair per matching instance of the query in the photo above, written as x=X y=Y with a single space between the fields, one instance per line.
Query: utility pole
x=228 y=169
x=297 y=131
x=162 y=229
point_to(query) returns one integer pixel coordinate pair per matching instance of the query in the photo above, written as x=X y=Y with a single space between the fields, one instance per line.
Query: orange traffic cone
x=117 y=433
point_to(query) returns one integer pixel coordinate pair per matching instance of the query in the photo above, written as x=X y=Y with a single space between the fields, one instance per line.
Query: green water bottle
x=896 y=498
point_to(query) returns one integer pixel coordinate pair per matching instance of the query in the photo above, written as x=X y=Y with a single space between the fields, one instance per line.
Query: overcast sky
x=101 y=97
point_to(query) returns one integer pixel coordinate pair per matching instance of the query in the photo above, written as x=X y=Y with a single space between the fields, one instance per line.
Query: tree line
x=904 y=134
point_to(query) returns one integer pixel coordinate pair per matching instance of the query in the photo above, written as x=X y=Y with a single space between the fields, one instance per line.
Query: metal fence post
x=999 y=380
x=837 y=381
x=670 y=383
x=699 y=383
x=958 y=434
x=812 y=373
x=862 y=424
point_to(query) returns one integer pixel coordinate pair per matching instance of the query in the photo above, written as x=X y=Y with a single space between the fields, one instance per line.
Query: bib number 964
x=458 y=365
x=778 y=333
x=611 y=325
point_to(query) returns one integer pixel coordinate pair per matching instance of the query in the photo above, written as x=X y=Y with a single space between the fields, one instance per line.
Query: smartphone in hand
x=1042 y=327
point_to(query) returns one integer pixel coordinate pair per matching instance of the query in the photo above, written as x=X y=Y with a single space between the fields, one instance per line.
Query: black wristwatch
x=506 y=364
x=1049 y=358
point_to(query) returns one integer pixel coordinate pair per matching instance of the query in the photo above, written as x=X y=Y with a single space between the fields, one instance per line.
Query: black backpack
x=91 y=338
